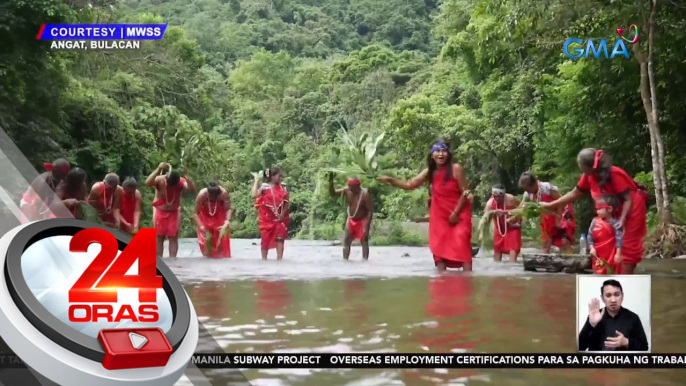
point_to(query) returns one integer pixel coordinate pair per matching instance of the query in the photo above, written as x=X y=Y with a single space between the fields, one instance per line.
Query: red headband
x=48 y=168
x=596 y=160
x=354 y=181
x=602 y=205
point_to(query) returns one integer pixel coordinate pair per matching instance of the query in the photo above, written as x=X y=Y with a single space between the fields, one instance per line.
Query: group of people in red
x=615 y=237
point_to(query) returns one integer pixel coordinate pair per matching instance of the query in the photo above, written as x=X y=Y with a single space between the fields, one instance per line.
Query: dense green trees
x=237 y=85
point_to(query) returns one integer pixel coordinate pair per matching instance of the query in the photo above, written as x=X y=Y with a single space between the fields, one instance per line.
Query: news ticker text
x=431 y=361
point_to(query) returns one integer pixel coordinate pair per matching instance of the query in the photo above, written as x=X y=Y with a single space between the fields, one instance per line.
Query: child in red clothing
x=605 y=238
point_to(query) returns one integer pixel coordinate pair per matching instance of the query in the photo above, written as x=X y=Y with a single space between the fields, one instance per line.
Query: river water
x=314 y=301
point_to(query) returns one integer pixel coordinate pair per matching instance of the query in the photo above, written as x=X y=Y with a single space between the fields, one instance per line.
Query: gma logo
x=576 y=48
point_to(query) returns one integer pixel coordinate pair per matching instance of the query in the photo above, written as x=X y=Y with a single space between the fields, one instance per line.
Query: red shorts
x=356 y=228
x=167 y=223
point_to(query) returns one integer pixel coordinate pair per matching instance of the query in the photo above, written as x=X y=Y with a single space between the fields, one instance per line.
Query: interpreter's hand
x=619 y=341
x=135 y=228
x=453 y=219
x=202 y=228
x=71 y=202
x=595 y=315
x=592 y=252
x=163 y=166
x=621 y=223
x=385 y=179
x=618 y=258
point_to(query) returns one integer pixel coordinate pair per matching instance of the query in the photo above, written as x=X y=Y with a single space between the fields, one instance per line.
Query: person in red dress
x=131 y=206
x=105 y=196
x=71 y=192
x=271 y=201
x=450 y=216
x=558 y=228
x=213 y=214
x=507 y=230
x=601 y=178
x=605 y=238
x=166 y=210
x=360 y=212
x=36 y=201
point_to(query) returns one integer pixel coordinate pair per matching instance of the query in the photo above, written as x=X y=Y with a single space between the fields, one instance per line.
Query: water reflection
x=272 y=297
x=211 y=299
x=354 y=294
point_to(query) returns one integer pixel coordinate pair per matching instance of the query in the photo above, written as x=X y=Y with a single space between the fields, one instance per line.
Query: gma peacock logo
x=575 y=48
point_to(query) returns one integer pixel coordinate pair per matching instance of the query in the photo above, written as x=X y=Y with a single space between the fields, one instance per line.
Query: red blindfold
x=353 y=181
x=603 y=206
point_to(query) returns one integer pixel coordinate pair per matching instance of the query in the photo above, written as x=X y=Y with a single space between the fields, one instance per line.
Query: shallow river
x=314 y=301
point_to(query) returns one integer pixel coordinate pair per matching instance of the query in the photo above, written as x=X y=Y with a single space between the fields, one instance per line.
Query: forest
x=238 y=85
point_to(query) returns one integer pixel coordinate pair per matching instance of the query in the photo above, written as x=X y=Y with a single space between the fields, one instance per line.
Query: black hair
x=111 y=179
x=613 y=201
x=213 y=189
x=173 y=178
x=60 y=163
x=431 y=164
x=586 y=157
x=269 y=173
x=613 y=283
x=130 y=182
x=528 y=179
x=75 y=178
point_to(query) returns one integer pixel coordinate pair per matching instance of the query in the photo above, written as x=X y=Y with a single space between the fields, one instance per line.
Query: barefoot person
x=167 y=205
x=37 y=199
x=130 y=207
x=71 y=192
x=271 y=201
x=556 y=228
x=212 y=215
x=507 y=231
x=602 y=179
x=105 y=196
x=450 y=218
x=605 y=238
x=360 y=211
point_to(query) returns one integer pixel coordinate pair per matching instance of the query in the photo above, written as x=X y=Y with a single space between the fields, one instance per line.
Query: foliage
x=240 y=84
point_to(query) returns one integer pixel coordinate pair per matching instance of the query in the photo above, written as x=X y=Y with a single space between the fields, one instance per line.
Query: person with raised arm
x=557 y=229
x=601 y=178
x=105 y=196
x=212 y=215
x=450 y=216
x=131 y=206
x=360 y=212
x=167 y=205
x=272 y=201
x=507 y=230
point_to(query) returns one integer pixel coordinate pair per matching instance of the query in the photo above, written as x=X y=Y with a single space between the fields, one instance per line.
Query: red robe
x=271 y=199
x=635 y=227
x=167 y=222
x=512 y=241
x=127 y=210
x=450 y=244
x=605 y=247
x=212 y=217
x=105 y=204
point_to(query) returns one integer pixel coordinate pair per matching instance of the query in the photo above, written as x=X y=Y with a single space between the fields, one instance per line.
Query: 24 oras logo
x=95 y=295
x=575 y=48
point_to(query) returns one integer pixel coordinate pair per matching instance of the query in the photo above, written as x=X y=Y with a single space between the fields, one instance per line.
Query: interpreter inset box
x=613 y=313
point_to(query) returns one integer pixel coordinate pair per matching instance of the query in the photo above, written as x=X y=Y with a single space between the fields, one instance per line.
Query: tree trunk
x=648 y=87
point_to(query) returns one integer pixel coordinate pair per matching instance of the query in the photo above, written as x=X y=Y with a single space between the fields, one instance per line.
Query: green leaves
x=360 y=157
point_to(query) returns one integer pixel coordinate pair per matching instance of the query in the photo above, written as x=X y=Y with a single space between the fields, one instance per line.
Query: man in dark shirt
x=613 y=327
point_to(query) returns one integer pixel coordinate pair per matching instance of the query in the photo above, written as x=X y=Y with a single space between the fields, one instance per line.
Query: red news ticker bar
x=40 y=33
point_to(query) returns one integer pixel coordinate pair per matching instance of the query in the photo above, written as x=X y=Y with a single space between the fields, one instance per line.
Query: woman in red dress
x=450 y=216
x=212 y=214
x=557 y=229
x=601 y=178
x=272 y=204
